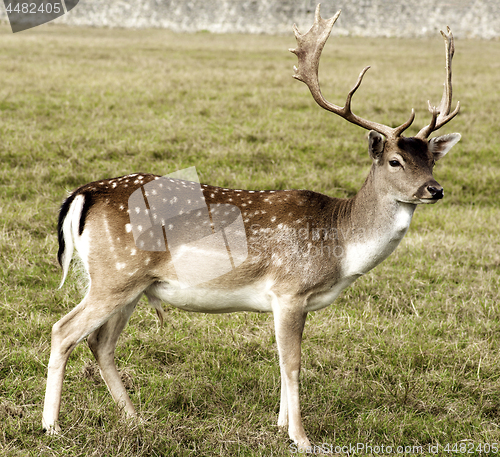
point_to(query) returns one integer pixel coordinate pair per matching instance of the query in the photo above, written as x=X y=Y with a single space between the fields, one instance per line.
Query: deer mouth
x=428 y=201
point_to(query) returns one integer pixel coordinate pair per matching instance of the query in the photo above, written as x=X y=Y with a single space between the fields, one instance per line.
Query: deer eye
x=394 y=163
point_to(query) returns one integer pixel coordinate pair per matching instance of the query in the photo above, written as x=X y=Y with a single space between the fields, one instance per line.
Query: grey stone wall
x=467 y=18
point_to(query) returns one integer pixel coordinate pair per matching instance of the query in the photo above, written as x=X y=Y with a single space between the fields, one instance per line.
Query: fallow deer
x=281 y=270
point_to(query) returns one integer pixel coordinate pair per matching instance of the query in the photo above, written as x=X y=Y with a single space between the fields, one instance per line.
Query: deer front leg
x=283 y=414
x=289 y=320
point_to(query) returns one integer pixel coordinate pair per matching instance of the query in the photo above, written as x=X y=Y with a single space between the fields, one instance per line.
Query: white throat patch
x=363 y=255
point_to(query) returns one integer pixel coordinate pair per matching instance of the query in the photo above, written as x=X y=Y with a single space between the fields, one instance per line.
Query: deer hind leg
x=102 y=343
x=289 y=320
x=66 y=334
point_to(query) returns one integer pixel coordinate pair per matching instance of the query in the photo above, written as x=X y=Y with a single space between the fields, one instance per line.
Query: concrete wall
x=467 y=18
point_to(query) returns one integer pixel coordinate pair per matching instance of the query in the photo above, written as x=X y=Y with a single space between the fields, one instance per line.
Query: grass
x=408 y=356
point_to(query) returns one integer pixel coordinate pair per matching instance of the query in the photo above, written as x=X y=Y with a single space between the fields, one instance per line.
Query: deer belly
x=255 y=297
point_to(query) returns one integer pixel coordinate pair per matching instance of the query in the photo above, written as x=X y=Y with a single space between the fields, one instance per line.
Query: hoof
x=51 y=430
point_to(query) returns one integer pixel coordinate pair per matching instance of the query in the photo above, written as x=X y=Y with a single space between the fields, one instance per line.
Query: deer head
x=404 y=163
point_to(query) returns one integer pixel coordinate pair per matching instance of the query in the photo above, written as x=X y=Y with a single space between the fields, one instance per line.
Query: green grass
x=408 y=356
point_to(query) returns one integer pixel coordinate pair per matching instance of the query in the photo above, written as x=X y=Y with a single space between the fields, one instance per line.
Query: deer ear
x=440 y=145
x=376 y=143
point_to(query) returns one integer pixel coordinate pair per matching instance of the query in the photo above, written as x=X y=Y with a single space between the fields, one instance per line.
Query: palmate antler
x=441 y=115
x=310 y=46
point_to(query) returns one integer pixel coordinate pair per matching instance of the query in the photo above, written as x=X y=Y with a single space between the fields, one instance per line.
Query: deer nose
x=437 y=193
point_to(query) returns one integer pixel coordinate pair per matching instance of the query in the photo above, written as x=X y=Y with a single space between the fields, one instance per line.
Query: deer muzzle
x=430 y=192
x=437 y=193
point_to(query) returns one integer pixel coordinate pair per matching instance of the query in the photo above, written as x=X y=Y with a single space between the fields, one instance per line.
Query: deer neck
x=377 y=224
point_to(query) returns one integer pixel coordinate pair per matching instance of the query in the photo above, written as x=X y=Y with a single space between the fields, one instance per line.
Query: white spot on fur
x=277 y=260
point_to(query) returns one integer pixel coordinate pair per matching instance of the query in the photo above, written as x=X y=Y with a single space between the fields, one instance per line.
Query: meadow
x=407 y=357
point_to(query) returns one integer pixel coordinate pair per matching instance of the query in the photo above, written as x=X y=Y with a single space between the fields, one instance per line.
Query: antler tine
x=441 y=114
x=310 y=46
x=435 y=113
